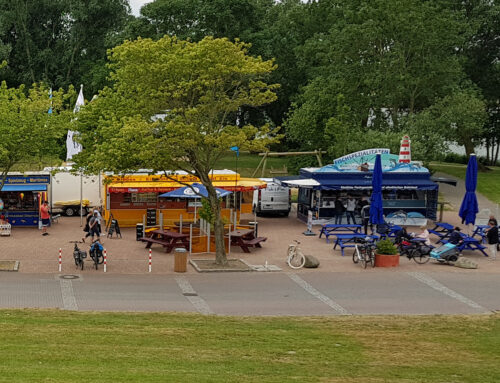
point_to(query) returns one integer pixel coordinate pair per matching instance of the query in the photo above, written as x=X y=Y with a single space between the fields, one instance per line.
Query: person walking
x=339 y=211
x=86 y=229
x=492 y=235
x=351 y=207
x=365 y=216
x=45 y=216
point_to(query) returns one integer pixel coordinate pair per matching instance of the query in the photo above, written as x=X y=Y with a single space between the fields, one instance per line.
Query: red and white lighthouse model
x=404 y=150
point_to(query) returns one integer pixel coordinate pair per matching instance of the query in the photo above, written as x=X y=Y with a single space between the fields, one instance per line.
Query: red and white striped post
x=60 y=260
x=405 y=151
x=105 y=260
x=149 y=260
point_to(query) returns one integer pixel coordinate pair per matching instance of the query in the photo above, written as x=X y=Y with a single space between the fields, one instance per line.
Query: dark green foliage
x=386 y=247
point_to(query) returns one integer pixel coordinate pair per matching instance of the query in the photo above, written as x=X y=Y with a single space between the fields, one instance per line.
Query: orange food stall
x=130 y=198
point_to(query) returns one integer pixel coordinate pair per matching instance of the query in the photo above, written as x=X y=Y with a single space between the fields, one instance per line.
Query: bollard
x=149 y=260
x=60 y=260
x=105 y=262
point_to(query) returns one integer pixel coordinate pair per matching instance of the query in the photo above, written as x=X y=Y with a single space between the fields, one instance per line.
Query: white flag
x=73 y=147
x=80 y=101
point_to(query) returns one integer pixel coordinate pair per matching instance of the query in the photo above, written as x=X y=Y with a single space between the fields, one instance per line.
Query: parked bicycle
x=364 y=252
x=295 y=258
x=415 y=249
x=96 y=252
x=79 y=256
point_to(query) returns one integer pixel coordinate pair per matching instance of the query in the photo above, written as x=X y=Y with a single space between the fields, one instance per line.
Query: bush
x=456 y=158
x=386 y=247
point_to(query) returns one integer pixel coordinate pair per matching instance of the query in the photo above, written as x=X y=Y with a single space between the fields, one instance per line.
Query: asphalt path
x=256 y=293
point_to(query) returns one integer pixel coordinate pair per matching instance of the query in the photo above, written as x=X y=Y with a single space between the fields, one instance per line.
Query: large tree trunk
x=469 y=148
x=220 y=249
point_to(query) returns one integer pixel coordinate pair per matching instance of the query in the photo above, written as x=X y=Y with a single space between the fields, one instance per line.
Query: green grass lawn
x=248 y=162
x=488 y=183
x=62 y=346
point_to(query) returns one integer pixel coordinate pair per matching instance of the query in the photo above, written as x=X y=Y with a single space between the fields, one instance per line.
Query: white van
x=274 y=199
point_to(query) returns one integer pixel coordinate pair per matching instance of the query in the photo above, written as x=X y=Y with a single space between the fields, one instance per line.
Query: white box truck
x=273 y=200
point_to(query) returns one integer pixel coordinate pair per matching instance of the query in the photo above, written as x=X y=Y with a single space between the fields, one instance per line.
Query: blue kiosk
x=21 y=196
x=407 y=187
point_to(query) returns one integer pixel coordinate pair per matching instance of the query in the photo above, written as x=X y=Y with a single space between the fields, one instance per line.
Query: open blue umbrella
x=187 y=192
x=376 y=207
x=469 y=207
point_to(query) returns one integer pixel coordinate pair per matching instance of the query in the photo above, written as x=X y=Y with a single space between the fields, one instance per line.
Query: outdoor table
x=348 y=240
x=332 y=229
x=469 y=243
x=168 y=239
x=442 y=230
x=393 y=229
x=245 y=239
x=481 y=231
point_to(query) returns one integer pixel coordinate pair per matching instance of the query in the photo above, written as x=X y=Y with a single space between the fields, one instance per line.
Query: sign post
x=309 y=231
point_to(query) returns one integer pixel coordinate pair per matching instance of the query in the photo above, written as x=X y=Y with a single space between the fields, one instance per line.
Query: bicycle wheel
x=77 y=262
x=81 y=264
x=371 y=254
x=296 y=260
x=362 y=258
x=355 y=256
x=420 y=258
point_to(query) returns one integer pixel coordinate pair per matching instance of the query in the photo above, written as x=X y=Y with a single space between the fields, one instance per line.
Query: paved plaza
x=337 y=287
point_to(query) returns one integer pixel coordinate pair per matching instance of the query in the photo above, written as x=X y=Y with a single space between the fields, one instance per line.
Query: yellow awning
x=243 y=184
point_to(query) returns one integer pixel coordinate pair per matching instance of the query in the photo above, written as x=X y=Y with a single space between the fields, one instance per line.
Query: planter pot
x=384 y=260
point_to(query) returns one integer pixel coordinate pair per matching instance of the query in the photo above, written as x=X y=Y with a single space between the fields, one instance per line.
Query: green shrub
x=385 y=246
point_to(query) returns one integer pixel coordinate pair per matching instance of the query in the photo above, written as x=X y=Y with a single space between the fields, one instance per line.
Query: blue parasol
x=376 y=207
x=187 y=192
x=469 y=207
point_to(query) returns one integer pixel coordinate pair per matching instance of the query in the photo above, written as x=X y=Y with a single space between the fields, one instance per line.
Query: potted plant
x=386 y=254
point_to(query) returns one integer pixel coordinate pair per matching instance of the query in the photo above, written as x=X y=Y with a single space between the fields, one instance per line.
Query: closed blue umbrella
x=376 y=207
x=469 y=207
x=187 y=192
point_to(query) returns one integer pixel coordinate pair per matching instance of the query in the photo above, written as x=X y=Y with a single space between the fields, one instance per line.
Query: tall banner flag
x=73 y=147
x=50 y=99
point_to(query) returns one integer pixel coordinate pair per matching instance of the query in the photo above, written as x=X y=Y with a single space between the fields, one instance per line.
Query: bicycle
x=79 y=256
x=96 y=253
x=415 y=249
x=295 y=258
x=364 y=252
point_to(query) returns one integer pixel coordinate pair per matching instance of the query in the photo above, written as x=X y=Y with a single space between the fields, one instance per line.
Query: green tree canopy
x=173 y=106
x=59 y=42
x=27 y=131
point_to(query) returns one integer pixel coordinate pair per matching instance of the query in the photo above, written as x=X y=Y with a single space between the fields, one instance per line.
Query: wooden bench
x=246 y=243
x=55 y=218
x=255 y=242
x=169 y=246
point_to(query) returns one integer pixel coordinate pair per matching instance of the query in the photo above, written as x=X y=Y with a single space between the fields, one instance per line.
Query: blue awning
x=21 y=188
x=365 y=184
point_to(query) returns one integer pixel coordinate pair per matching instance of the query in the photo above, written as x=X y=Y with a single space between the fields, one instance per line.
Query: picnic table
x=348 y=240
x=468 y=243
x=168 y=239
x=333 y=229
x=245 y=238
x=442 y=230
x=393 y=229
x=481 y=231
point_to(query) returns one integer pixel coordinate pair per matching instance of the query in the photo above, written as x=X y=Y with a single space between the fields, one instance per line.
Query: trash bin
x=180 y=260
x=139 y=231
x=255 y=226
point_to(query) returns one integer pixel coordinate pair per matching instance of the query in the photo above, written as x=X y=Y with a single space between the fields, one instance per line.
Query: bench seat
x=254 y=242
